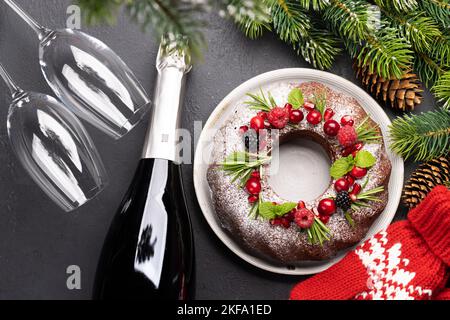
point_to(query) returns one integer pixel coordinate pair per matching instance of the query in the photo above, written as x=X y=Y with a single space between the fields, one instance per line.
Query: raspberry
x=304 y=218
x=278 y=117
x=347 y=136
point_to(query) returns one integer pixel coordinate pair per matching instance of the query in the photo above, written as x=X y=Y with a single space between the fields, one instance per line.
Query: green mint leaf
x=284 y=208
x=342 y=166
x=296 y=98
x=266 y=210
x=269 y=211
x=364 y=159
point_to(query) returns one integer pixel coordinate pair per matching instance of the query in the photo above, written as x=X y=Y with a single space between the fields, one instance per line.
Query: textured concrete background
x=38 y=241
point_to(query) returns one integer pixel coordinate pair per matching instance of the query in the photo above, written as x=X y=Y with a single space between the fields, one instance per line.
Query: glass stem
x=9 y=81
x=40 y=30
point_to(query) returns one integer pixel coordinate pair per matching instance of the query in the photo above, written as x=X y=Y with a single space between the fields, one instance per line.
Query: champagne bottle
x=148 y=252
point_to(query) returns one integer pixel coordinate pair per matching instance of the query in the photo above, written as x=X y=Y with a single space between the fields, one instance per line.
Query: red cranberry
x=243 y=129
x=329 y=113
x=326 y=207
x=309 y=106
x=347 y=120
x=257 y=123
x=324 y=219
x=253 y=199
x=295 y=116
x=358 y=172
x=342 y=184
x=331 y=128
x=314 y=117
x=356 y=189
x=253 y=186
x=262 y=114
x=275 y=222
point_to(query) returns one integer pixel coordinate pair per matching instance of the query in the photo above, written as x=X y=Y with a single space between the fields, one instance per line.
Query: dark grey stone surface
x=38 y=241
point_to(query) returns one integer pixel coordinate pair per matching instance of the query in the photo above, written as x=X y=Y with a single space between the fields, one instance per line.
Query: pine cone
x=424 y=178
x=403 y=94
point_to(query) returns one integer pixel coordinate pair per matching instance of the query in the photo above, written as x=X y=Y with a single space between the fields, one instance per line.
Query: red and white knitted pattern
x=388 y=274
x=408 y=261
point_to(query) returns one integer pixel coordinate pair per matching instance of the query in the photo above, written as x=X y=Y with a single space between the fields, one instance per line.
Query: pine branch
x=350 y=19
x=439 y=10
x=442 y=90
x=315 y=5
x=100 y=11
x=252 y=17
x=428 y=69
x=289 y=20
x=421 y=137
x=421 y=31
x=386 y=53
x=401 y=6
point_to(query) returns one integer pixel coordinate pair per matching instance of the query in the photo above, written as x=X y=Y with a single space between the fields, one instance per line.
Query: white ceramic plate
x=228 y=105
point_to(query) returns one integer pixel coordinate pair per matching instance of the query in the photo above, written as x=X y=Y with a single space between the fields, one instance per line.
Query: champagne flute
x=53 y=146
x=89 y=78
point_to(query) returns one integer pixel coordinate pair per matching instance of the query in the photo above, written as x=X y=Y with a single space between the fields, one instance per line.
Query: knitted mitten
x=408 y=261
x=443 y=295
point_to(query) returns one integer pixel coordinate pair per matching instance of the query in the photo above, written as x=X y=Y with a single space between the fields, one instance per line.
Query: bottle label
x=151 y=244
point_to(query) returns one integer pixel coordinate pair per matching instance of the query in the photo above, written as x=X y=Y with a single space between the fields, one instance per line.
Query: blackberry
x=251 y=141
x=343 y=200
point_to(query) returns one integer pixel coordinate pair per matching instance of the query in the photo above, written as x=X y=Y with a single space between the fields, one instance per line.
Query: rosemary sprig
x=318 y=233
x=261 y=102
x=366 y=196
x=349 y=219
x=240 y=165
x=367 y=133
x=254 y=211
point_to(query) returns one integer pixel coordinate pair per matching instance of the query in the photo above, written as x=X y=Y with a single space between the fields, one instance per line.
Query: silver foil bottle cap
x=173 y=64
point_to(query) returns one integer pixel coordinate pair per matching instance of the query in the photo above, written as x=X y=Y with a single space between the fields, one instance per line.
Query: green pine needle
x=290 y=21
x=315 y=5
x=442 y=90
x=400 y=6
x=252 y=17
x=367 y=133
x=351 y=19
x=439 y=10
x=421 y=137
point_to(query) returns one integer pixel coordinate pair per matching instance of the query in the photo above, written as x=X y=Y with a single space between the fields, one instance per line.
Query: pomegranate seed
x=350 y=179
x=356 y=189
x=354 y=153
x=253 y=186
x=243 y=129
x=347 y=151
x=301 y=205
x=288 y=107
x=253 y=198
x=329 y=113
x=324 y=219
x=291 y=215
x=275 y=222
x=358 y=146
x=309 y=106
x=347 y=120
x=353 y=197
x=255 y=174
x=285 y=223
